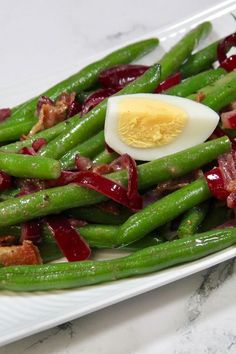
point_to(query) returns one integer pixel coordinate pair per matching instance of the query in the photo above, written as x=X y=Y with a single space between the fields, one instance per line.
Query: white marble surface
x=194 y=315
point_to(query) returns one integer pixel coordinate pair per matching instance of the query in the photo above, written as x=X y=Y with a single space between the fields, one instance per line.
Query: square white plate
x=26 y=313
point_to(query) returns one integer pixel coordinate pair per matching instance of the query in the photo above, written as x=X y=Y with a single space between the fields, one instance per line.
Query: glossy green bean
x=148 y=260
x=89 y=148
x=194 y=83
x=93 y=121
x=19 y=165
x=225 y=83
x=54 y=200
x=192 y=220
x=200 y=61
x=14 y=131
x=105 y=157
x=87 y=77
x=173 y=59
x=97 y=215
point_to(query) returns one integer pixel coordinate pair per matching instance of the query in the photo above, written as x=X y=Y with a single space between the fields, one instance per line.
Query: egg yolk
x=146 y=123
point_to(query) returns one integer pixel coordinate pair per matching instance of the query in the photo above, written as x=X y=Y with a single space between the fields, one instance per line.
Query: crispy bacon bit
x=38 y=144
x=4 y=114
x=83 y=163
x=20 y=255
x=7 y=240
x=50 y=113
x=200 y=96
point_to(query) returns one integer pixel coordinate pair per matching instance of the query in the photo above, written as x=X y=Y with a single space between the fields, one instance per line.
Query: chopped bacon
x=23 y=254
x=200 y=96
x=7 y=240
x=4 y=114
x=51 y=113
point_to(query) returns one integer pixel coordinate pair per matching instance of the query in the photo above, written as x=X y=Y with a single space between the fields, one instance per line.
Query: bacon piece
x=20 y=255
x=200 y=96
x=7 y=240
x=52 y=113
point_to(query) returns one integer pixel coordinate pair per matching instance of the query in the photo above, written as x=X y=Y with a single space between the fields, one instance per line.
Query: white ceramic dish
x=24 y=314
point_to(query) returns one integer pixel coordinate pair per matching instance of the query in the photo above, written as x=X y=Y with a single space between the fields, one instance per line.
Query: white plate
x=26 y=313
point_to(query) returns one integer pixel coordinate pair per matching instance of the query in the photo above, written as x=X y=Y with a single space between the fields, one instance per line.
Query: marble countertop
x=194 y=315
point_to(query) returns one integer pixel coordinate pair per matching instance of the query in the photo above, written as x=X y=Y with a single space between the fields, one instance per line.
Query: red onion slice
x=95 y=98
x=38 y=144
x=4 y=113
x=224 y=46
x=171 y=81
x=31 y=231
x=5 y=181
x=72 y=245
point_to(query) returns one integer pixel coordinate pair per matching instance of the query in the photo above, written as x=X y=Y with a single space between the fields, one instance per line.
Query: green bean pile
x=173 y=229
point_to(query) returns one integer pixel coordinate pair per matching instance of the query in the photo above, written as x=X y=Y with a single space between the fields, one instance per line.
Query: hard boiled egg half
x=150 y=126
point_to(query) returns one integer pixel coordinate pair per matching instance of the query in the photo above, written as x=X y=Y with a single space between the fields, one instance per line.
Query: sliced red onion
x=216 y=184
x=218 y=132
x=224 y=46
x=229 y=64
x=72 y=245
x=108 y=148
x=95 y=98
x=171 y=81
x=120 y=75
x=229 y=223
x=74 y=108
x=31 y=231
x=109 y=188
x=4 y=113
x=38 y=144
x=228 y=119
x=27 y=151
x=5 y=181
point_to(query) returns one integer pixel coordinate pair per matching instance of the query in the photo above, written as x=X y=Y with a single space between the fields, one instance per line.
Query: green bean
x=14 y=131
x=19 y=165
x=192 y=220
x=222 y=95
x=87 y=77
x=162 y=211
x=97 y=215
x=93 y=122
x=200 y=61
x=89 y=148
x=151 y=259
x=194 y=83
x=221 y=84
x=57 y=199
x=105 y=157
x=148 y=219
x=47 y=134
x=173 y=59
x=9 y=193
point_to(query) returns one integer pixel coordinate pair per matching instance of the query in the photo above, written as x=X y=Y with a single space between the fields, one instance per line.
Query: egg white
x=201 y=122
